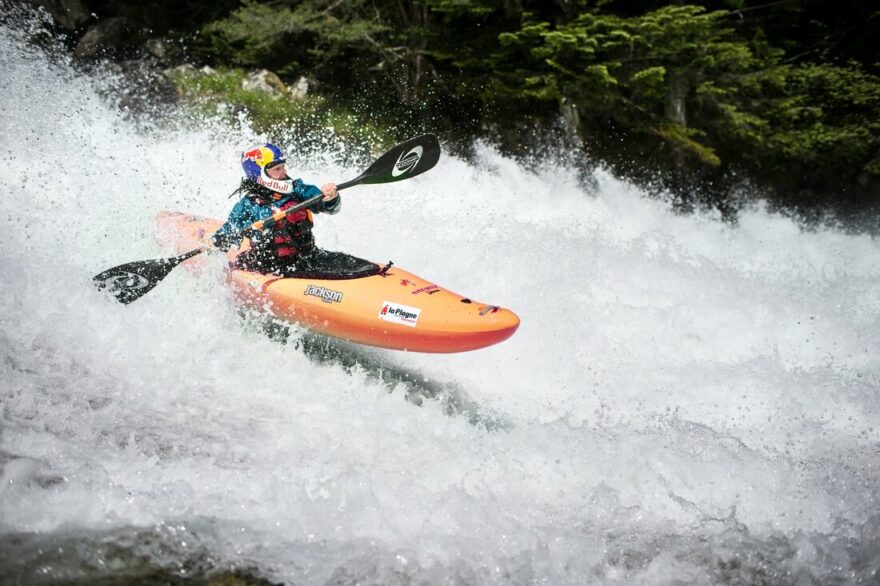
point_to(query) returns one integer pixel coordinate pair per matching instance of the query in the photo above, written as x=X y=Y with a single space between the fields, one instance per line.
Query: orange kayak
x=393 y=309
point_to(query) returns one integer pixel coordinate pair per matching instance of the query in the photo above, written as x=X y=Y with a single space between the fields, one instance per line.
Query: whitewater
x=687 y=400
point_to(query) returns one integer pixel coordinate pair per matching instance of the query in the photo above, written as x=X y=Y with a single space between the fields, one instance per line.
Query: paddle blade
x=405 y=160
x=133 y=280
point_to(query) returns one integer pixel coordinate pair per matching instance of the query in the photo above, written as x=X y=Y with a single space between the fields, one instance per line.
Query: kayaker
x=289 y=246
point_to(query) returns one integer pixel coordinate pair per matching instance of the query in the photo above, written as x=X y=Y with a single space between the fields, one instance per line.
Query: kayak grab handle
x=384 y=270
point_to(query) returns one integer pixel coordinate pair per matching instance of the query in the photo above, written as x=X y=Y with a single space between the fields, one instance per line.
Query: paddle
x=131 y=281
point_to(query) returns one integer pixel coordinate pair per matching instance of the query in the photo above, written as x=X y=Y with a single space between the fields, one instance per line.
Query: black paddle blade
x=133 y=280
x=405 y=160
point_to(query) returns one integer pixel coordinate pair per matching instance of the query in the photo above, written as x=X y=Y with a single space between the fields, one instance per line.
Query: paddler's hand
x=221 y=242
x=329 y=191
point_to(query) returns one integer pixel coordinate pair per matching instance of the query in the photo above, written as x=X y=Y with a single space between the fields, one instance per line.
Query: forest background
x=700 y=99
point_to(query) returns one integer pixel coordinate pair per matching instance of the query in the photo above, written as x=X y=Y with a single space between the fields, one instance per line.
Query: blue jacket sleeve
x=231 y=232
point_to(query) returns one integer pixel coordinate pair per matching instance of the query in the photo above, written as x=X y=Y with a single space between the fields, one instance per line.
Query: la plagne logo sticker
x=407 y=162
x=400 y=314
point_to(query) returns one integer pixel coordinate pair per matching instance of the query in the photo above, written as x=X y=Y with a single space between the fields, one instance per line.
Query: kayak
x=389 y=308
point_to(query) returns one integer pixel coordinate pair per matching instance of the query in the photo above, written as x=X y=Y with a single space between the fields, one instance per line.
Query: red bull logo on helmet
x=260 y=155
x=253 y=155
x=254 y=162
x=274 y=185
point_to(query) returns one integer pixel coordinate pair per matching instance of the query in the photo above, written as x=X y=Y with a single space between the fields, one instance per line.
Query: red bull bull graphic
x=253 y=155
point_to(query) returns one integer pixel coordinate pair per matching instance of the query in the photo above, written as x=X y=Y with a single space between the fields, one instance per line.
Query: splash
x=685 y=401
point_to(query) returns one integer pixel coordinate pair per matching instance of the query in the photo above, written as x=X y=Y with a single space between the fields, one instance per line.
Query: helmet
x=256 y=160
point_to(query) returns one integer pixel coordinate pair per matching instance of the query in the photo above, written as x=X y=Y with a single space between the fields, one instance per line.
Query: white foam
x=673 y=376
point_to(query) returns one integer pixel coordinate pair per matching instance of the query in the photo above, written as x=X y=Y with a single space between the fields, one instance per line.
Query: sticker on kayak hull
x=400 y=314
x=326 y=295
x=430 y=290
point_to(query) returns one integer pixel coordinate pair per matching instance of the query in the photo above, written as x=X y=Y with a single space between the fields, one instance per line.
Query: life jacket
x=289 y=237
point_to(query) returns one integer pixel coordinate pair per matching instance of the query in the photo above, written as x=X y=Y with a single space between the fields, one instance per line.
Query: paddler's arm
x=232 y=231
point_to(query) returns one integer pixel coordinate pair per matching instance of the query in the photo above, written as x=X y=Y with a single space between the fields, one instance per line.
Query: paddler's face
x=277 y=171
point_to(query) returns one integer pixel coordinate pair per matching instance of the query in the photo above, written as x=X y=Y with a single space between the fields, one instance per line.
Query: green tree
x=688 y=93
x=783 y=91
x=296 y=37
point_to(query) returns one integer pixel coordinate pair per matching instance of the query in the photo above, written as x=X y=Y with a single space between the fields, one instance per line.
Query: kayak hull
x=394 y=309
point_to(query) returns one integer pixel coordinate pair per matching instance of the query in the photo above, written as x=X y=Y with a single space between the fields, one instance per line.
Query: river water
x=686 y=401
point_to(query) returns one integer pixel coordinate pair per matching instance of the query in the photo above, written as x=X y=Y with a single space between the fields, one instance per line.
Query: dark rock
x=185 y=69
x=157 y=48
x=69 y=14
x=144 y=89
x=113 y=36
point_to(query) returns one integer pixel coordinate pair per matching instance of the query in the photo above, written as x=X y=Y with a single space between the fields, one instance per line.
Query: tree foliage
x=786 y=91
x=685 y=76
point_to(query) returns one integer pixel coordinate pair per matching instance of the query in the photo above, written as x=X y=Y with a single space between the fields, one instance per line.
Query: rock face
x=140 y=88
x=300 y=89
x=69 y=14
x=268 y=82
x=157 y=48
x=111 y=35
x=265 y=81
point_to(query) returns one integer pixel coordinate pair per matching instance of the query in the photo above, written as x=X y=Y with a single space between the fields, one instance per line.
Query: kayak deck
x=393 y=309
